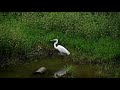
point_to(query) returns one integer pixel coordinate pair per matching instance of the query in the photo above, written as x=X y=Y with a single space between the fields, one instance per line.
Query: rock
x=60 y=73
x=41 y=70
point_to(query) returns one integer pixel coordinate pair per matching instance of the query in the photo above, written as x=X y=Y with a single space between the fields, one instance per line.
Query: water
x=26 y=70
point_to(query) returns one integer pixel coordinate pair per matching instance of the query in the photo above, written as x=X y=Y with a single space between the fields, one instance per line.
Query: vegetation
x=89 y=36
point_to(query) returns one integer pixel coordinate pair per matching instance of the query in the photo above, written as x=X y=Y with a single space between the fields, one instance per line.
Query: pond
x=54 y=64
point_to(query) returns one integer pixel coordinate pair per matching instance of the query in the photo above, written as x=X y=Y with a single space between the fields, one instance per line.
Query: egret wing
x=63 y=49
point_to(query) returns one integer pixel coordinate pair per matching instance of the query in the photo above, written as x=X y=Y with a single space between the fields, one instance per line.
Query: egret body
x=60 y=48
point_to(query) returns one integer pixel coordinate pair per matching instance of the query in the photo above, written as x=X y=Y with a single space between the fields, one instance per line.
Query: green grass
x=88 y=36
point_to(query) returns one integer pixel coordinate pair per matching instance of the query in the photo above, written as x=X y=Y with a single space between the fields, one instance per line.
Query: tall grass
x=87 y=35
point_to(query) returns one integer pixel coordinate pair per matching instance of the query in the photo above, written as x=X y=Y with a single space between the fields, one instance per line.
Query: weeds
x=87 y=35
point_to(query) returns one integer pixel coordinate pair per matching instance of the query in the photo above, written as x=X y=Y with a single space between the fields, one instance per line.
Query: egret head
x=54 y=40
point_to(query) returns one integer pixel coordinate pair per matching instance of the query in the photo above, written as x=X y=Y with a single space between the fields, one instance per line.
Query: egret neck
x=55 y=44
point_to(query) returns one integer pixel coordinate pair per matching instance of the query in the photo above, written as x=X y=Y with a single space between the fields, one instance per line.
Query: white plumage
x=60 y=48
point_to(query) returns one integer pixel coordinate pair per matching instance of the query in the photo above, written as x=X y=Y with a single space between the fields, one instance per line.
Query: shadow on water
x=54 y=64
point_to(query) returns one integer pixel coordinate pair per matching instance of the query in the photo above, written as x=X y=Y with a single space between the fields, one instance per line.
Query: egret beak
x=51 y=40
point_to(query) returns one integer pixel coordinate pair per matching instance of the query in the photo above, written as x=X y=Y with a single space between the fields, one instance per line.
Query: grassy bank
x=88 y=36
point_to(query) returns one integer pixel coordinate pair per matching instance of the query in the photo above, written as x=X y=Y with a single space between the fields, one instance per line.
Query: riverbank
x=54 y=64
x=93 y=39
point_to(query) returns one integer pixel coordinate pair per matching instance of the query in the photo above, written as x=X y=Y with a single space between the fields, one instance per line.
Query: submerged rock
x=60 y=73
x=41 y=70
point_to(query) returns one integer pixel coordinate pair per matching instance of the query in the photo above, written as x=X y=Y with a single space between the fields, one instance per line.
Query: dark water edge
x=53 y=64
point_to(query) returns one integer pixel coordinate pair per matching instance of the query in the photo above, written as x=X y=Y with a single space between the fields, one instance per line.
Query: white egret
x=60 y=48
